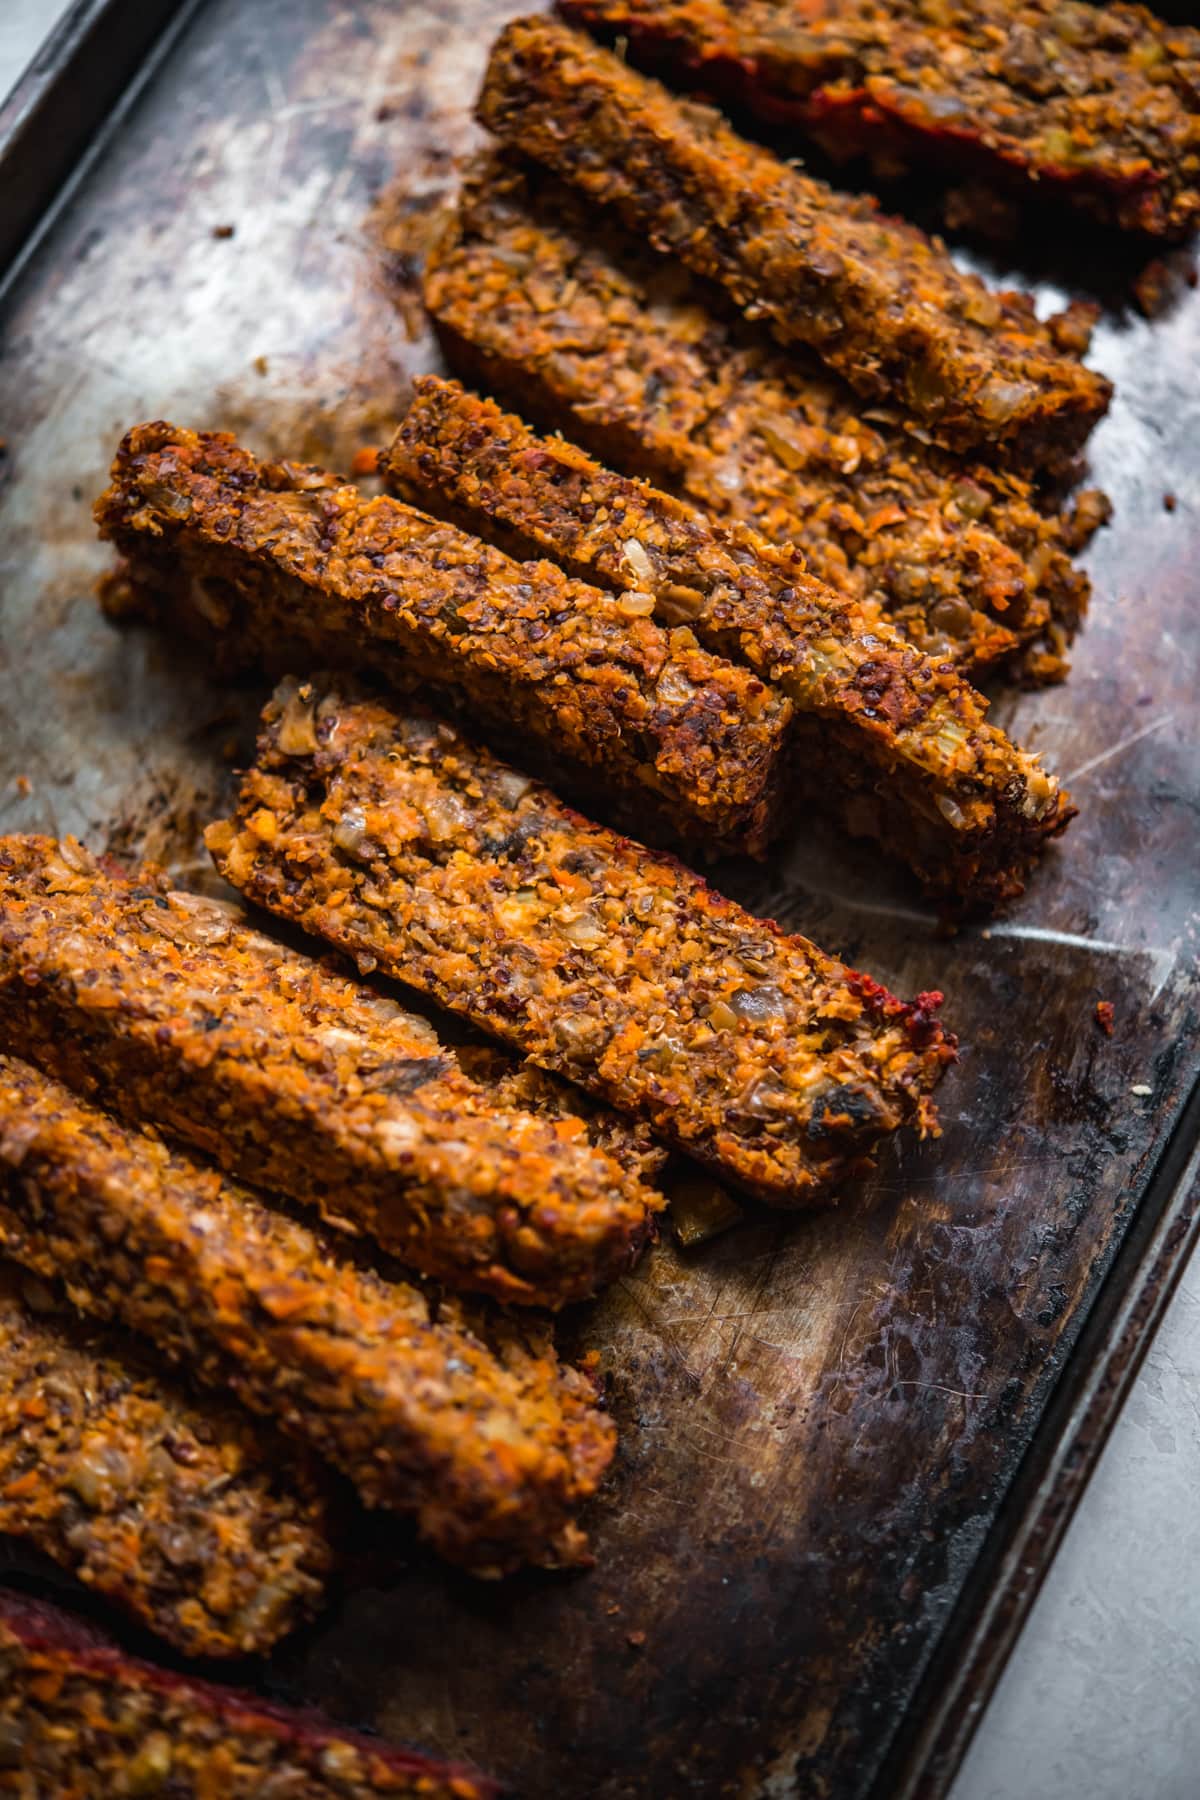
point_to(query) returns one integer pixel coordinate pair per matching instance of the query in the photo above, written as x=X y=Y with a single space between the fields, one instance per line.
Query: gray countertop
x=1098 y=1699
x=23 y=26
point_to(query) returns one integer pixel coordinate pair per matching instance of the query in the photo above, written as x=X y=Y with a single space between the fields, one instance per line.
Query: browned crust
x=490 y=1449
x=81 y=1720
x=289 y=568
x=517 y=1084
x=591 y=334
x=621 y=969
x=882 y=303
x=175 y=1506
x=1092 y=105
x=896 y=743
x=170 y=1010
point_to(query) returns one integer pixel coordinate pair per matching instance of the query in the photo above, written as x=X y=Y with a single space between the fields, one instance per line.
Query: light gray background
x=23 y=25
x=1099 y=1701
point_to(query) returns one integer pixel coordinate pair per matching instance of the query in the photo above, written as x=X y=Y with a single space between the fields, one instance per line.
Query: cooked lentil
x=588 y=332
x=180 y=1510
x=287 y=567
x=599 y=960
x=491 y=1451
x=896 y=743
x=168 y=1008
x=1096 y=106
x=81 y=1720
x=882 y=303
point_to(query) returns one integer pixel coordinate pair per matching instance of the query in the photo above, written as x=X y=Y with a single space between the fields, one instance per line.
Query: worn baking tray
x=848 y=1441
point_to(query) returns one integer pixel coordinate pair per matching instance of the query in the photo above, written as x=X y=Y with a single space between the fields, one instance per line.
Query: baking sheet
x=820 y=1418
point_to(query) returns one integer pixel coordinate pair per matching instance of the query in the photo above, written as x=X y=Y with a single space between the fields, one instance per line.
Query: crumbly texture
x=164 y=1006
x=177 y=1508
x=288 y=568
x=590 y=333
x=1097 y=106
x=514 y=1081
x=81 y=1720
x=897 y=743
x=882 y=303
x=599 y=960
x=490 y=1452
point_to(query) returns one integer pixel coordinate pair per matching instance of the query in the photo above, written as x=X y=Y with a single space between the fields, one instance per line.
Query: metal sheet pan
x=847 y=1441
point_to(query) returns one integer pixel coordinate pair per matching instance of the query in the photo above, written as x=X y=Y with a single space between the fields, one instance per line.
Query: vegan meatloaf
x=879 y=300
x=516 y=1083
x=287 y=566
x=744 y=1046
x=164 y=1006
x=491 y=1451
x=1098 y=106
x=176 y=1507
x=896 y=743
x=592 y=334
x=81 y=1720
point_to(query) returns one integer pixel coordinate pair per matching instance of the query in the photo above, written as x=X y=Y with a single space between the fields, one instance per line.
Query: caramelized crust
x=1098 y=106
x=895 y=743
x=519 y=1085
x=618 y=968
x=177 y=1508
x=289 y=568
x=167 y=1008
x=81 y=1720
x=881 y=302
x=491 y=1448
x=593 y=335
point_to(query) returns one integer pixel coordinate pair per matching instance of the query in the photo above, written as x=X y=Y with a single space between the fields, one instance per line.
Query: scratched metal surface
x=819 y=1416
